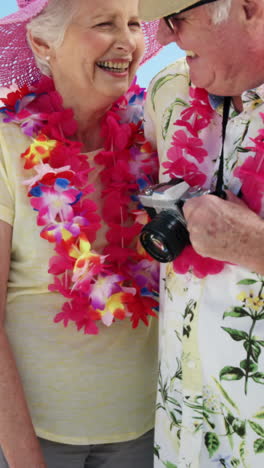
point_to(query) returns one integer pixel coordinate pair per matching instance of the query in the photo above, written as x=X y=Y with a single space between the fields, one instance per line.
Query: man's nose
x=164 y=34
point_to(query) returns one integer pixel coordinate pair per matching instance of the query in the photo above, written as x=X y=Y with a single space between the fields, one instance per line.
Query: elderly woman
x=78 y=365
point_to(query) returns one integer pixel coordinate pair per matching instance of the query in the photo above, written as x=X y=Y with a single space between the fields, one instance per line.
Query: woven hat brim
x=150 y=10
x=17 y=63
x=24 y=14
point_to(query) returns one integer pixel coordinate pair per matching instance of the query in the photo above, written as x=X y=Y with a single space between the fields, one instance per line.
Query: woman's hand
x=226 y=230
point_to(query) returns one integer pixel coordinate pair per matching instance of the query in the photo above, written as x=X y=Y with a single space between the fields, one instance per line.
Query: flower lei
x=253 y=170
x=122 y=281
x=187 y=142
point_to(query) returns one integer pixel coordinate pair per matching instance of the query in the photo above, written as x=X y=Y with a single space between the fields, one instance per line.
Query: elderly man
x=206 y=115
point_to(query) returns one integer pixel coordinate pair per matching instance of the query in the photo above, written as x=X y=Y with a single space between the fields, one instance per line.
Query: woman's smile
x=115 y=67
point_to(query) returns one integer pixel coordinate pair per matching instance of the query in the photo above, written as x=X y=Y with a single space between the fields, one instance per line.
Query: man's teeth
x=114 y=66
x=190 y=53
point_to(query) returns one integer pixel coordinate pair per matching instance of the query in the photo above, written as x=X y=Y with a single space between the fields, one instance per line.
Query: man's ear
x=40 y=48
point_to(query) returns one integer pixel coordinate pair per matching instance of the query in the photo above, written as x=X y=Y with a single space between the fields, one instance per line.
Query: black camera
x=166 y=235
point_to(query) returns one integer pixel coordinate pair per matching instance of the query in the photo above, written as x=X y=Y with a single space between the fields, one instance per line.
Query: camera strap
x=220 y=176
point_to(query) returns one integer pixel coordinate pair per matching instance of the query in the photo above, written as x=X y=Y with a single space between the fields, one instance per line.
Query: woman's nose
x=126 y=40
x=164 y=34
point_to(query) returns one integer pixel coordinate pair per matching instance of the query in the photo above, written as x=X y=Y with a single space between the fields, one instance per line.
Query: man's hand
x=226 y=230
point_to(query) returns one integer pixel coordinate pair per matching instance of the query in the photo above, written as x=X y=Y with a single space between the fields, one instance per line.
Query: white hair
x=219 y=10
x=50 y=26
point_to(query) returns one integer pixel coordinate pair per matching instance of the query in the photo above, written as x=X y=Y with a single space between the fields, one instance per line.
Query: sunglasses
x=171 y=20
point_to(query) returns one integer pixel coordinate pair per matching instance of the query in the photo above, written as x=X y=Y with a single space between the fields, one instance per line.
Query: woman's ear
x=40 y=48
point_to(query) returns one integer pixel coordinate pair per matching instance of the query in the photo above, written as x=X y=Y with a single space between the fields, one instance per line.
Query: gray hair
x=219 y=10
x=50 y=26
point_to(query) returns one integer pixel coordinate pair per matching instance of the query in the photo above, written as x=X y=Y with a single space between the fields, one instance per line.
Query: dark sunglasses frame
x=168 y=18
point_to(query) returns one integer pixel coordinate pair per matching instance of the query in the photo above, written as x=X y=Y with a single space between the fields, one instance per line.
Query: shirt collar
x=252 y=97
x=215 y=101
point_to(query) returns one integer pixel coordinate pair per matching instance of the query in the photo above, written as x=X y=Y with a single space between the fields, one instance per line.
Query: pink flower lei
x=122 y=281
x=184 y=158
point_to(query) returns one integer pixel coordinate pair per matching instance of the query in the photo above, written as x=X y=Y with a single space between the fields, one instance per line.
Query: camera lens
x=164 y=237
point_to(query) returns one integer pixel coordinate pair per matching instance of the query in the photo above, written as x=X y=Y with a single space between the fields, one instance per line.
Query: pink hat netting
x=152 y=45
x=17 y=63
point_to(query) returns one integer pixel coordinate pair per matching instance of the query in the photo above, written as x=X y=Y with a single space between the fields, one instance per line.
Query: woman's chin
x=117 y=90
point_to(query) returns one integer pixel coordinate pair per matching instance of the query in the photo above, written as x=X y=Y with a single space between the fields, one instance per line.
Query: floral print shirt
x=210 y=400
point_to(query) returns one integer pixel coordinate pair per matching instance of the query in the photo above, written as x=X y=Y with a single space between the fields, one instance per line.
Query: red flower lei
x=253 y=170
x=187 y=142
x=122 y=281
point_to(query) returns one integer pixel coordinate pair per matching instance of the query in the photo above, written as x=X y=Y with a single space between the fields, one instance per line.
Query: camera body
x=166 y=235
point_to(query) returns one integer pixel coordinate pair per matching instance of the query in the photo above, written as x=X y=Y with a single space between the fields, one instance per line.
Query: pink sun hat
x=17 y=63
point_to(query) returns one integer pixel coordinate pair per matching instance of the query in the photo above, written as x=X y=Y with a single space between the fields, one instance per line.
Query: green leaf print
x=160 y=82
x=167 y=289
x=160 y=406
x=169 y=465
x=188 y=317
x=226 y=396
x=178 y=372
x=163 y=390
x=174 y=421
x=212 y=442
x=247 y=281
x=253 y=308
x=174 y=413
x=236 y=312
x=242 y=452
x=244 y=133
x=231 y=373
x=258 y=377
x=253 y=96
x=166 y=118
x=260 y=316
x=257 y=428
x=229 y=418
x=259 y=414
x=239 y=427
x=157 y=450
x=235 y=462
x=237 y=335
x=248 y=365
x=173 y=401
x=259 y=446
x=261 y=343
x=254 y=349
x=229 y=431
x=242 y=150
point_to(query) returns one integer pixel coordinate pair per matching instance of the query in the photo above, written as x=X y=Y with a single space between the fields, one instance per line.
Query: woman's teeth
x=118 y=67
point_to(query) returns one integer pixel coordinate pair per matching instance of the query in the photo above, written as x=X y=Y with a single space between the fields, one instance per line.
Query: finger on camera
x=197 y=208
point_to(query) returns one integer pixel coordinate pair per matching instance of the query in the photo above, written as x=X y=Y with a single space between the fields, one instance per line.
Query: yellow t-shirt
x=81 y=389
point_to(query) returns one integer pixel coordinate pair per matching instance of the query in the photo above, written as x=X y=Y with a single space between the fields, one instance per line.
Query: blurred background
x=167 y=55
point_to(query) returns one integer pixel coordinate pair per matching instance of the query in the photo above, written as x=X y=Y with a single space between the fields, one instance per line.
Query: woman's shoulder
x=4 y=91
x=11 y=132
x=12 y=140
x=6 y=100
